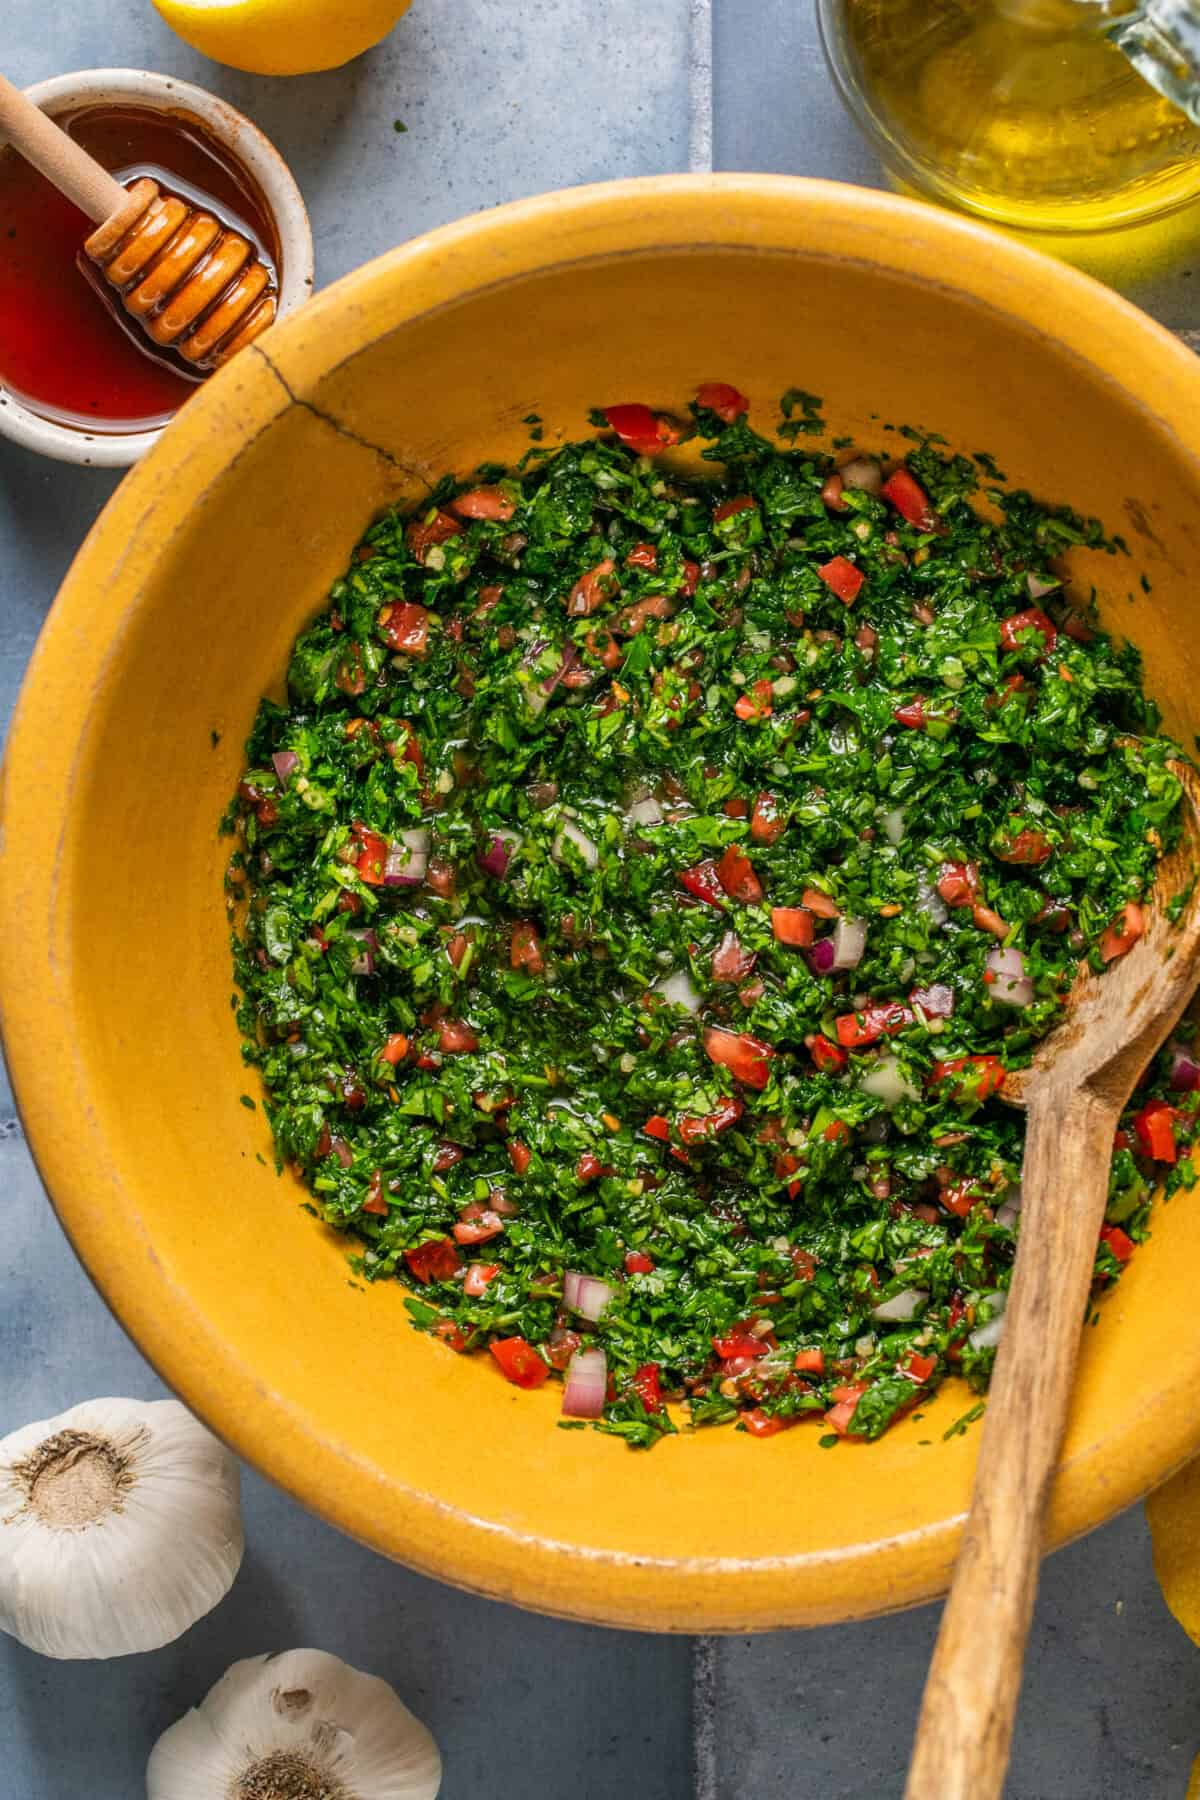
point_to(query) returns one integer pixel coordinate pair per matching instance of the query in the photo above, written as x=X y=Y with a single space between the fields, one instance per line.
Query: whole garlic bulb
x=298 y=1726
x=119 y=1527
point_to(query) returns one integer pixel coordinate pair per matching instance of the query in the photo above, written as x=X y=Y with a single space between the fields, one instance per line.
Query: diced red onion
x=1038 y=589
x=936 y=1002
x=1012 y=985
x=645 y=812
x=286 y=763
x=821 y=957
x=586 y=1386
x=849 y=943
x=1185 y=1070
x=569 y=832
x=930 y=902
x=888 y=1082
x=586 y=1295
x=989 y=1335
x=496 y=858
x=341 y=1149
x=679 y=990
x=407 y=859
x=893 y=825
x=1009 y=1210
x=901 y=1307
x=570 y=657
x=364 y=962
x=862 y=472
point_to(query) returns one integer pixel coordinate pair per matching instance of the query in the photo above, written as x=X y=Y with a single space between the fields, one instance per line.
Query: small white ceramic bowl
x=246 y=143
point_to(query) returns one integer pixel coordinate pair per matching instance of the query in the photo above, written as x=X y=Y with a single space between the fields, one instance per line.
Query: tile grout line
x=704 y=1718
x=700 y=87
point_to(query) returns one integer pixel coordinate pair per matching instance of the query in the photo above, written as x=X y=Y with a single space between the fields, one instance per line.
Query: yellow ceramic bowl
x=114 y=959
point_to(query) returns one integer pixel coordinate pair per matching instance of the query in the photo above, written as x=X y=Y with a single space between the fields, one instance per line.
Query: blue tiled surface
x=503 y=100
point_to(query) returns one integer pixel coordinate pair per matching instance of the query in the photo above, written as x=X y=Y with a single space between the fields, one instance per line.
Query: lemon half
x=281 y=37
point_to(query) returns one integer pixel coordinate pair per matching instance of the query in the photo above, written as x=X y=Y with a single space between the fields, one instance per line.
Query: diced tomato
x=1122 y=1140
x=450 y=1334
x=735 y=872
x=842 y=578
x=704 y=882
x=525 y=948
x=747 y=1058
x=1027 y=848
x=406 y=627
x=454 y=1036
x=642 y=430
x=372 y=854
x=1016 y=632
x=735 y=807
x=645 y=1384
x=809 y=1362
x=1124 y=932
x=833 y=493
x=792 y=925
x=975 y=1078
x=958 y=883
x=445 y=1157
x=657 y=1127
x=375 y=1201
x=593 y=588
x=478 y=1278
x=519 y=1362
x=877 y=1019
x=691 y=579
x=395 y=1050
x=758 y=704
x=730 y=961
x=440 y=878
x=828 y=1057
x=804 y=1265
x=767 y=823
x=695 y=1128
x=836 y=1132
x=590 y=1168
x=814 y=901
x=457 y=947
x=847 y=1398
x=436 y=528
x=481 y=1228
x=484 y=503
x=918 y=1367
x=637 y=1262
x=728 y=508
x=764 y=1425
x=1155 y=1128
x=1118 y=1241
x=519 y=1155
x=912 y=714
x=988 y=920
x=727 y=402
x=740 y=1341
x=433 y=1262
x=642 y=556
x=909 y=499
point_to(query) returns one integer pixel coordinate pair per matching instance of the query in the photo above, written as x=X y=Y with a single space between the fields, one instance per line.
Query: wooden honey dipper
x=195 y=286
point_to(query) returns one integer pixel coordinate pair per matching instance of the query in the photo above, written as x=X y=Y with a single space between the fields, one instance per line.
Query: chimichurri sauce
x=646 y=887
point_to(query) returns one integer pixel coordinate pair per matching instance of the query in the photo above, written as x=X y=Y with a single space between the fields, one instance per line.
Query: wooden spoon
x=1080 y=1080
x=192 y=284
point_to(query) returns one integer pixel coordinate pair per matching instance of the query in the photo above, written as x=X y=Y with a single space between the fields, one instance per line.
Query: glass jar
x=1054 y=115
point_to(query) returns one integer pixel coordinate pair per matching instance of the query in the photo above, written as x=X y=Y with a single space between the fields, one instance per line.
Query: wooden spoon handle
x=60 y=159
x=965 y=1727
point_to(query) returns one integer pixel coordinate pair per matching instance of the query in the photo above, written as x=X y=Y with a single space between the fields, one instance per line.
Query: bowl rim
x=250 y=146
x=680 y=213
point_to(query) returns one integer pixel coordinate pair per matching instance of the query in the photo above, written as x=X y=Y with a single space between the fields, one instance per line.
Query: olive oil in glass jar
x=1053 y=115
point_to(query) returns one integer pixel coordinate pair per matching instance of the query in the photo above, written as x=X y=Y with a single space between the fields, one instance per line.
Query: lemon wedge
x=1173 y=1513
x=281 y=37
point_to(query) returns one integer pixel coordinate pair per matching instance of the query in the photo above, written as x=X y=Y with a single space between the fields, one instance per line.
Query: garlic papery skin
x=120 y=1526
x=301 y=1725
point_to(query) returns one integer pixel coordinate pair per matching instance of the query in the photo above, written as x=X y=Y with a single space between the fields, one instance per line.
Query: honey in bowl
x=67 y=349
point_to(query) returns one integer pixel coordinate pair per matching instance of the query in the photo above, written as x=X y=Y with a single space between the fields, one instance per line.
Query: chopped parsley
x=646 y=886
